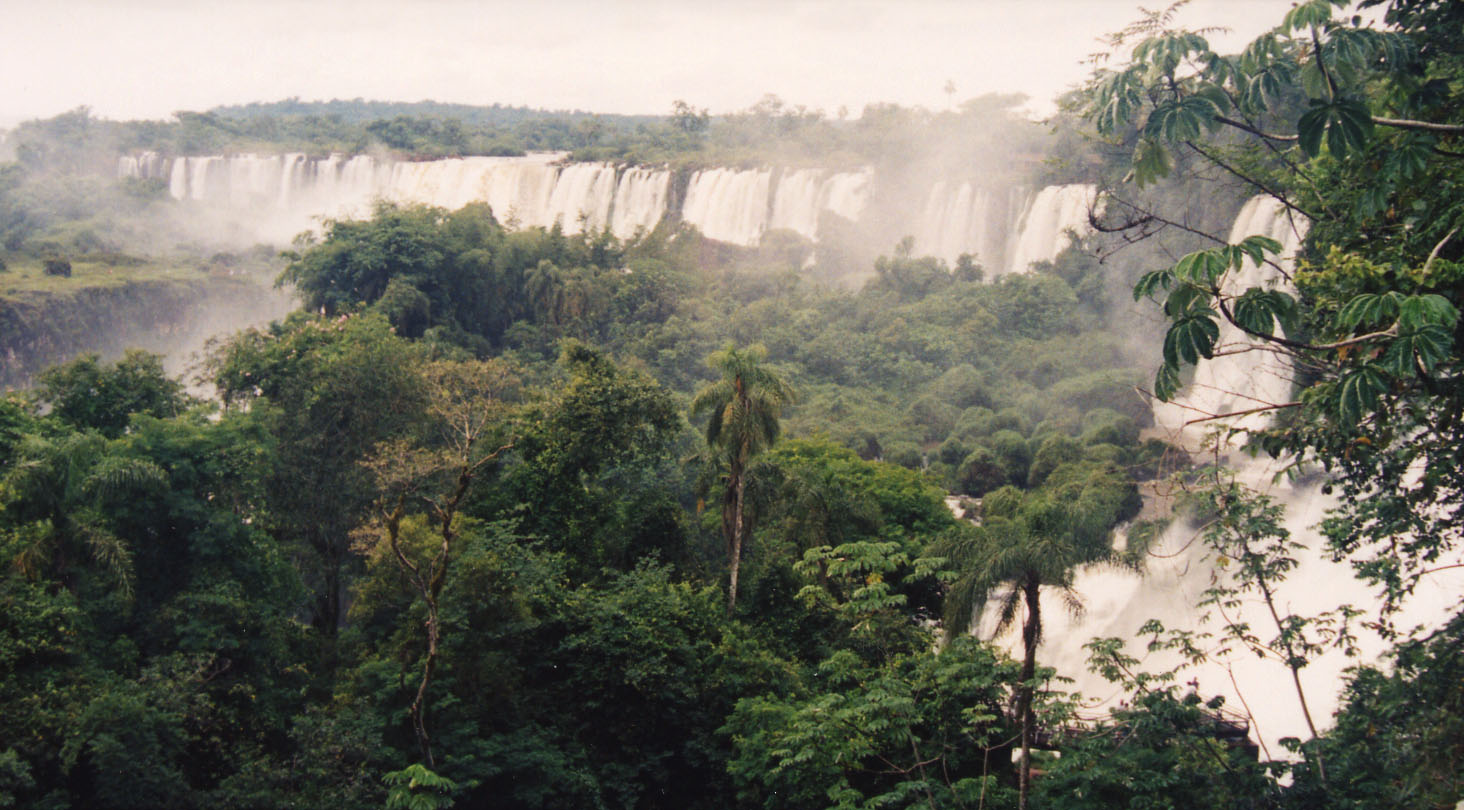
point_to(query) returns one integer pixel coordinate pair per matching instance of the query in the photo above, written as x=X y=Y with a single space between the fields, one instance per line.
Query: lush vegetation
x=452 y=523
x=521 y=519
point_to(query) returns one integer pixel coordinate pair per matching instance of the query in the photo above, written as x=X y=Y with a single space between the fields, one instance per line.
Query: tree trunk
x=735 y=552
x=327 y=617
x=1031 y=635
x=419 y=703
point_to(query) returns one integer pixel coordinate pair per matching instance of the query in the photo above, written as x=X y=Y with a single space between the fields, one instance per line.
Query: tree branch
x=1247 y=412
x=1258 y=184
x=1434 y=254
x=1254 y=131
x=1420 y=126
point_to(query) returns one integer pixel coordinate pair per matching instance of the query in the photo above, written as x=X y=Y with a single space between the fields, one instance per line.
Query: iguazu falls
x=805 y=406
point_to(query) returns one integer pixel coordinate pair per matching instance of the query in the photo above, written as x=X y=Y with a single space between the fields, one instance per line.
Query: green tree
x=432 y=478
x=328 y=391
x=1399 y=736
x=61 y=489
x=743 y=410
x=590 y=458
x=1164 y=751
x=87 y=394
x=1353 y=129
x=924 y=729
x=1028 y=541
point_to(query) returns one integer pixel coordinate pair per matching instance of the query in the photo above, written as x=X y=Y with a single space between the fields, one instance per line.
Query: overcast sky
x=148 y=58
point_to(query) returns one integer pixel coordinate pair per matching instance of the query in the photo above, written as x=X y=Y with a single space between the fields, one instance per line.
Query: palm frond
x=110 y=552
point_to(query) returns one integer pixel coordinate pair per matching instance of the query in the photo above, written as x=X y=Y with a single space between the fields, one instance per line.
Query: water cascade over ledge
x=1243 y=376
x=280 y=195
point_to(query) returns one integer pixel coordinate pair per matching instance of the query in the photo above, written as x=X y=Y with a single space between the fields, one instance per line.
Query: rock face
x=175 y=318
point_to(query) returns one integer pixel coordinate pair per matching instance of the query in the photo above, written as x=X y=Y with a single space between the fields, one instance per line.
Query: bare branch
x=1434 y=254
x=1421 y=126
x=1257 y=132
x=1248 y=412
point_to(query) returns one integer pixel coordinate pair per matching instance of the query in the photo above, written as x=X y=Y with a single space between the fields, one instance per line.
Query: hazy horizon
x=149 y=59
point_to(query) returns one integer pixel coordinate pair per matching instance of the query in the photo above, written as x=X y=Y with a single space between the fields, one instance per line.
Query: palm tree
x=1028 y=541
x=58 y=489
x=743 y=409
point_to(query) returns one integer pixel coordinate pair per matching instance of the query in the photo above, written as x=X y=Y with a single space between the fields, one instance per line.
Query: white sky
x=148 y=58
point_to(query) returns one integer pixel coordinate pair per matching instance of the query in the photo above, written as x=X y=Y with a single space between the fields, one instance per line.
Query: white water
x=281 y=195
x=285 y=194
x=965 y=218
x=1054 y=212
x=1180 y=569
x=1247 y=375
x=803 y=196
x=729 y=205
x=640 y=200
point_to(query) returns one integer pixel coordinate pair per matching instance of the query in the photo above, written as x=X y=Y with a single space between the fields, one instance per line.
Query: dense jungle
x=442 y=507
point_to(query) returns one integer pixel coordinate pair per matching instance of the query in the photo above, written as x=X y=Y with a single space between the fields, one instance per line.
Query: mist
x=896 y=206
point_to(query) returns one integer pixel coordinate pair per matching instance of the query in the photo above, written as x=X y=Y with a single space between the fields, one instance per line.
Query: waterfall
x=1247 y=375
x=1043 y=232
x=846 y=194
x=796 y=203
x=965 y=217
x=516 y=189
x=1180 y=569
x=804 y=195
x=287 y=193
x=640 y=200
x=956 y=219
x=280 y=195
x=583 y=192
x=144 y=166
x=729 y=205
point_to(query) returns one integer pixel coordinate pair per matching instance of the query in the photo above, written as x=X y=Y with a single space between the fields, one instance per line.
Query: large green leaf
x=1183 y=119
x=1163 y=54
x=1369 y=310
x=1203 y=267
x=1151 y=162
x=1258 y=246
x=1184 y=299
x=1191 y=338
x=1310 y=14
x=1346 y=124
x=1424 y=348
x=1417 y=311
x=1359 y=392
x=1152 y=282
x=1261 y=53
x=1118 y=98
x=1166 y=382
x=1259 y=311
x=1266 y=86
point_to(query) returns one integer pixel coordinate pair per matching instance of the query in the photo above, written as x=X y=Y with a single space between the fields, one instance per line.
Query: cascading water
x=803 y=196
x=1247 y=375
x=1052 y=213
x=640 y=200
x=796 y=204
x=729 y=205
x=846 y=194
x=1180 y=569
x=281 y=195
x=286 y=193
x=966 y=218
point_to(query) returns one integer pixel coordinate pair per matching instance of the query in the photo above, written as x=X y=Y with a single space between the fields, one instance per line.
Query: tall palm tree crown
x=743 y=409
x=1028 y=541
